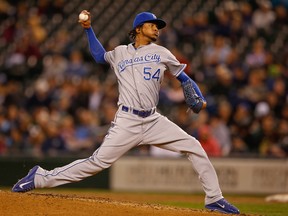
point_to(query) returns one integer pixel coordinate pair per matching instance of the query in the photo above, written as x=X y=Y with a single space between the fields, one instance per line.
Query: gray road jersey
x=140 y=73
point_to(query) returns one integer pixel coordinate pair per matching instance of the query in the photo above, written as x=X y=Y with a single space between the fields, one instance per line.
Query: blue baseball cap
x=144 y=17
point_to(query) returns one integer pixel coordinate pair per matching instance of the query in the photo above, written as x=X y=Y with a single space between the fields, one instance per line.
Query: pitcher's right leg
x=73 y=172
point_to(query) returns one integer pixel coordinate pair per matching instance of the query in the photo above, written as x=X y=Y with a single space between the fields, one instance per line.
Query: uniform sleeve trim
x=181 y=70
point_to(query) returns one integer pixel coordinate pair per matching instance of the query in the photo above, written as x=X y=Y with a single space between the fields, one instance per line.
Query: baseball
x=83 y=17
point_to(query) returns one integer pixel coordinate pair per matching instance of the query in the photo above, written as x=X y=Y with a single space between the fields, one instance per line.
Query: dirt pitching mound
x=85 y=204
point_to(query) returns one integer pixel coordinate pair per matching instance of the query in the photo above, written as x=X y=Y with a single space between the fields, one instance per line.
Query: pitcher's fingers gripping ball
x=85 y=19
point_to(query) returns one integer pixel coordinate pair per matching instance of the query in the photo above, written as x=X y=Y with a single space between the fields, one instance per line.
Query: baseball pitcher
x=139 y=67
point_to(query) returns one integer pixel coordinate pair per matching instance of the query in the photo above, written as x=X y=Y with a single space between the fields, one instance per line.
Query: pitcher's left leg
x=167 y=135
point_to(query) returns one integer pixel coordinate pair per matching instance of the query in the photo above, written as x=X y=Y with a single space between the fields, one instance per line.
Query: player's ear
x=138 y=29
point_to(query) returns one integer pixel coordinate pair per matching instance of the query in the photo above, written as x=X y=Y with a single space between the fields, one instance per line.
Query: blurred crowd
x=55 y=100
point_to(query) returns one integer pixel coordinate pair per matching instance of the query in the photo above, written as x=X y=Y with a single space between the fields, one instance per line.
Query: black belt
x=141 y=113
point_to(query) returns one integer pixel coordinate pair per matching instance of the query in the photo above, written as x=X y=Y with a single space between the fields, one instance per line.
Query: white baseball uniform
x=137 y=122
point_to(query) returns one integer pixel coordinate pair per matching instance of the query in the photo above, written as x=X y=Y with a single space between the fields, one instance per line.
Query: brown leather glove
x=85 y=24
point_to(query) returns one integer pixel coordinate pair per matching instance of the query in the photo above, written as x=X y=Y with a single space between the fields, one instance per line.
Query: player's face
x=150 y=31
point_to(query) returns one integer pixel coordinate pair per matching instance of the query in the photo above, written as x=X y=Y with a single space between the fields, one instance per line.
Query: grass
x=265 y=209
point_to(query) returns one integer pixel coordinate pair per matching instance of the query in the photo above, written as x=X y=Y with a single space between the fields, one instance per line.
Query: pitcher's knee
x=103 y=164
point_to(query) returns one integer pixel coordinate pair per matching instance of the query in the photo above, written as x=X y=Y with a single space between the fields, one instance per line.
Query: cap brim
x=159 y=22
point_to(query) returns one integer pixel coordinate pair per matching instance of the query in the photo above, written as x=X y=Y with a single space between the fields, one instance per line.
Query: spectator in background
x=76 y=67
x=277 y=96
x=60 y=43
x=239 y=147
x=220 y=131
x=200 y=128
x=262 y=109
x=58 y=7
x=273 y=103
x=268 y=144
x=280 y=89
x=237 y=28
x=247 y=14
x=17 y=134
x=223 y=23
x=37 y=32
x=168 y=37
x=50 y=8
x=208 y=141
x=8 y=25
x=15 y=142
x=24 y=58
x=96 y=94
x=36 y=138
x=256 y=89
x=107 y=111
x=202 y=26
x=283 y=135
x=12 y=116
x=282 y=128
x=4 y=131
x=109 y=101
x=180 y=117
x=254 y=132
x=80 y=90
x=239 y=77
x=84 y=135
x=173 y=92
x=219 y=52
x=222 y=87
x=284 y=111
x=54 y=144
x=239 y=128
x=54 y=66
x=225 y=111
x=13 y=94
x=263 y=17
x=187 y=31
x=68 y=133
x=41 y=95
x=281 y=17
x=258 y=56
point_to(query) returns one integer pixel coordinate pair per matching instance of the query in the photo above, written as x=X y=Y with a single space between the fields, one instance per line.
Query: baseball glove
x=194 y=102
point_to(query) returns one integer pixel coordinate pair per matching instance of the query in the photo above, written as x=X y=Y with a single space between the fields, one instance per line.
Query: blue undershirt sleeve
x=96 y=48
x=183 y=77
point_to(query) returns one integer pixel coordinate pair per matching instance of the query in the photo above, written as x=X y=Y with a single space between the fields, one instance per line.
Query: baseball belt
x=141 y=113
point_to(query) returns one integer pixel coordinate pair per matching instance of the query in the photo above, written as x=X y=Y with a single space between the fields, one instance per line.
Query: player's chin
x=154 y=39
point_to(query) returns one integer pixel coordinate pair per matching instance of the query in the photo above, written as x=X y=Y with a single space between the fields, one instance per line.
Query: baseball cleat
x=223 y=206
x=26 y=183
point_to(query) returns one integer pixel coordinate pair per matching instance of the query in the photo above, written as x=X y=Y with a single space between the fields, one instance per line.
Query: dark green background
x=12 y=169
